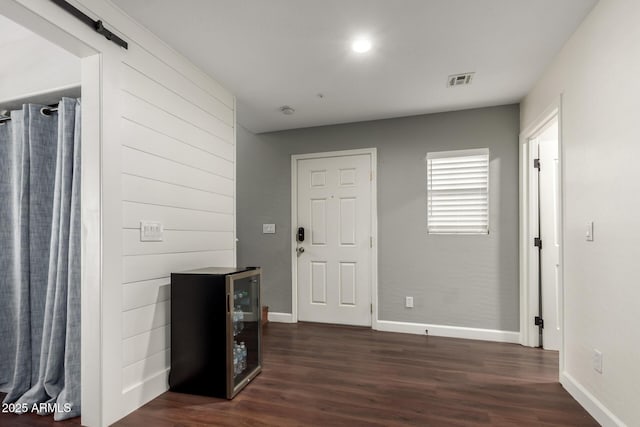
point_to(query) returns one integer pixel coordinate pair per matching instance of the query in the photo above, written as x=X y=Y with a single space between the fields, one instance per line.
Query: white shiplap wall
x=158 y=144
x=178 y=154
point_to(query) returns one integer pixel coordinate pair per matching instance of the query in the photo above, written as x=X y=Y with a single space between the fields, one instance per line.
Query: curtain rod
x=96 y=25
x=45 y=111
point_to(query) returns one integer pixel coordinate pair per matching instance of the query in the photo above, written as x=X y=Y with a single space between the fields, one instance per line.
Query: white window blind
x=458 y=192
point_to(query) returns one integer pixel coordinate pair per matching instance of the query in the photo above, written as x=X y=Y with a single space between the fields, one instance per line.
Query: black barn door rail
x=96 y=25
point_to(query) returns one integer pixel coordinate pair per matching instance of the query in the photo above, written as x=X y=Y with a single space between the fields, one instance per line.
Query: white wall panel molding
x=156 y=266
x=139 y=84
x=140 y=294
x=137 y=373
x=149 y=141
x=159 y=71
x=148 y=191
x=138 y=163
x=175 y=218
x=139 y=347
x=177 y=241
x=167 y=111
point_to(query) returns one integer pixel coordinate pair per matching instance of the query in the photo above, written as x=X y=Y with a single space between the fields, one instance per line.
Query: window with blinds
x=458 y=192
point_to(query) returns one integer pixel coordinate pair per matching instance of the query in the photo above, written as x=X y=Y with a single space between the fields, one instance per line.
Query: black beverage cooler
x=216 y=337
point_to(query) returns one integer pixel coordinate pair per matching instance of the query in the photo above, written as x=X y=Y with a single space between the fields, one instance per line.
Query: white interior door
x=334 y=260
x=549 y=188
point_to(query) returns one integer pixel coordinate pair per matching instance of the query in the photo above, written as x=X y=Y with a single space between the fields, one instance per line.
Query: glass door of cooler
x=245 y=347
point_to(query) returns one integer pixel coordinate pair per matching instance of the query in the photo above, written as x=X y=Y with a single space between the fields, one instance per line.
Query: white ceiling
x=271 y=53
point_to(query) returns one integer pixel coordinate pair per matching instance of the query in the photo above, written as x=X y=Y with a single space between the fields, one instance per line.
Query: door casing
x=529 y=229
x=549 y=203
x=374 y=225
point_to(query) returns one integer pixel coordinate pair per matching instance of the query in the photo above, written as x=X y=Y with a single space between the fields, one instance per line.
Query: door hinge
x=536 y=164
x=371 y=241
x=537 y=242
x=371 y=176
x=371 y=306
x=538 y=321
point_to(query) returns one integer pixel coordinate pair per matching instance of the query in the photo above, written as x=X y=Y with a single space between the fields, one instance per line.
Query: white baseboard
x=588 y=401
x=142 y=393
x=419 y=329
x=448 y=331
x=281 y=317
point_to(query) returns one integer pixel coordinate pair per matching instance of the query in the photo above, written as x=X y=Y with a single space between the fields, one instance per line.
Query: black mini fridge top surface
x=216 y=337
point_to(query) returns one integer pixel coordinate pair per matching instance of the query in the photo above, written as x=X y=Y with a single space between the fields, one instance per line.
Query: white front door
x=549 y=188
x=334 y=260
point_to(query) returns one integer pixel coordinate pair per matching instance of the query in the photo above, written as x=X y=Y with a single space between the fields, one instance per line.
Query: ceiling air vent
x=459 y=79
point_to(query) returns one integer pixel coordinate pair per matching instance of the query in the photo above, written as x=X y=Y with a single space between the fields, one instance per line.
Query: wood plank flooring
x=323 y=375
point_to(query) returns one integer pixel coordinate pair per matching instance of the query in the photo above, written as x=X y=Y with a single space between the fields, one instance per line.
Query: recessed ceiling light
x=361 y=45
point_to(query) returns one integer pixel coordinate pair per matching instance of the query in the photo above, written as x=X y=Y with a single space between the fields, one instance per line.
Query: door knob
x=300 y=250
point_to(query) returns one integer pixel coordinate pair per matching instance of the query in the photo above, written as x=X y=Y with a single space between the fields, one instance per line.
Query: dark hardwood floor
x=322 y=375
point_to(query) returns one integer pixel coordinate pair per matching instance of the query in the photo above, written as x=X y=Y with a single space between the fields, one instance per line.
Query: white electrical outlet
x=268 y=229
x=408 y=302
x=151 y=231
x=597 y=361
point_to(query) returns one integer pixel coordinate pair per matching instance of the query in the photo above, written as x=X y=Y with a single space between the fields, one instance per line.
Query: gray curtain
x=40 y=259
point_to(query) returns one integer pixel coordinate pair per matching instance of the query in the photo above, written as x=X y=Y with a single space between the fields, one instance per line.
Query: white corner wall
x=167 y=153
x=596 y=74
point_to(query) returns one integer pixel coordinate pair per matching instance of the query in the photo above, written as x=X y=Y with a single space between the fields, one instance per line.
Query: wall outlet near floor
x=597 y=361
x=408 y=302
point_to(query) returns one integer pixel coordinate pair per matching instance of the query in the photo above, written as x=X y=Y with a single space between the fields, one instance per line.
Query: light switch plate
x=589 y=232
x=268 y=228
x=408 y=302
x=597 y=361
x=151 y=231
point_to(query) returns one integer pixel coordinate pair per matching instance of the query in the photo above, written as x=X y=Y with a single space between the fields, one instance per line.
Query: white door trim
x=528 y=221
x=374 y=225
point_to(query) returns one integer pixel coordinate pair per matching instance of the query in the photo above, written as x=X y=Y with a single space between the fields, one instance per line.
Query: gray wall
x=455 y=280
